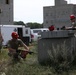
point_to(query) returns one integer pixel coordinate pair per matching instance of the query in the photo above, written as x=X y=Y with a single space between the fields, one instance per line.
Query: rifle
x=23 y=53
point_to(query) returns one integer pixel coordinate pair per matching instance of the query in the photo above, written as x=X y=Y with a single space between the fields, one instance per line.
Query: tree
x=29 y=24
x=34 y=25
x=19 y=23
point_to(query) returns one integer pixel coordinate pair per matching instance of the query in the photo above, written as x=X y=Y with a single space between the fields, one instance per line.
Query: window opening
x=7 y=1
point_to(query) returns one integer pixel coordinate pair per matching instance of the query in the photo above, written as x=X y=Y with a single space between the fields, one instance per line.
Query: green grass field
x=30 y=66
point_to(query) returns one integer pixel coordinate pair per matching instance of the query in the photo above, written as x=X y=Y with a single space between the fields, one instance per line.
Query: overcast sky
x=32 y=10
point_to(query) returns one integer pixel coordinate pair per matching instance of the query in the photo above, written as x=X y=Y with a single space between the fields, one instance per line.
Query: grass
x=30 y=66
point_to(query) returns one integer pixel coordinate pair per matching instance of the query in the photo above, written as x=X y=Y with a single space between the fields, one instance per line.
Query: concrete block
x=54 y=43
x=57 y=34
x=44 y=34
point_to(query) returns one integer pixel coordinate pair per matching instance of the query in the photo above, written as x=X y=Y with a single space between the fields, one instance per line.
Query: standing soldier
x=73 y=23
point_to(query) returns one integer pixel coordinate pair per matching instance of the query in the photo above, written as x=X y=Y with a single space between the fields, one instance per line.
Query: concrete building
x=6 y=12
x=58 y=15
x=60 y=2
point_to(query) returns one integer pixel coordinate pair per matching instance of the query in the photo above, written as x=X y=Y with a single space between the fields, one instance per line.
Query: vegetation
x=19 y=23
x=30 y=24
x=30 y=66
x=34 y=25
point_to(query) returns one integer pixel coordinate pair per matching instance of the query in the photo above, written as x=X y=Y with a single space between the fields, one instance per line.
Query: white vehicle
x=35 y=33
x=23 y=32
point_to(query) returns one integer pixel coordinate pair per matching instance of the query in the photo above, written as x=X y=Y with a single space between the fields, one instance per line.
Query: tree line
x=30 y=24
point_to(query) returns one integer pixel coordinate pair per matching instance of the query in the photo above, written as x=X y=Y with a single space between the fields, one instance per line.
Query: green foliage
x=19 y=23
x=62 y=58
x=34 y=25
x=3 y=54
x=30 y=66
x=30 y=24
x=26 y=69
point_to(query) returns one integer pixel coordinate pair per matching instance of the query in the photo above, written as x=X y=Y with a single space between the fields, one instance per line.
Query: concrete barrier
x=55 y=44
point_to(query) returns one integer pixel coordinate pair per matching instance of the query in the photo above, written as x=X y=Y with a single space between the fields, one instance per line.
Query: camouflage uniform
x=14 y=44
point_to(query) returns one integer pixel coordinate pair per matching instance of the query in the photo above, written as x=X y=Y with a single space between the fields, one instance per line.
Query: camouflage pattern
x=15 y=43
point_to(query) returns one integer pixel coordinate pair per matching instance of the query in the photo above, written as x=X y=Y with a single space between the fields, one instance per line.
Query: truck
x=23 y=32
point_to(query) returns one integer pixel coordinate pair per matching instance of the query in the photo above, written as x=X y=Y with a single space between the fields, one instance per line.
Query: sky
x=32 y=10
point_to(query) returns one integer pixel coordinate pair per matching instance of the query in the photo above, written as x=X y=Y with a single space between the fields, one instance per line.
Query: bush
x=61 y=57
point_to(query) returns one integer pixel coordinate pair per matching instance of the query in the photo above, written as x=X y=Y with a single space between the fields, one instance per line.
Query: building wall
x=58 y=15
x=6 y=12
x=60 y=2
x=74 y=10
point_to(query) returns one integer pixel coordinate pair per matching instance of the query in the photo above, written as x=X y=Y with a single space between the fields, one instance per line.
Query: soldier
x=73 y=23
x=14 y=44
x=51 y=28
